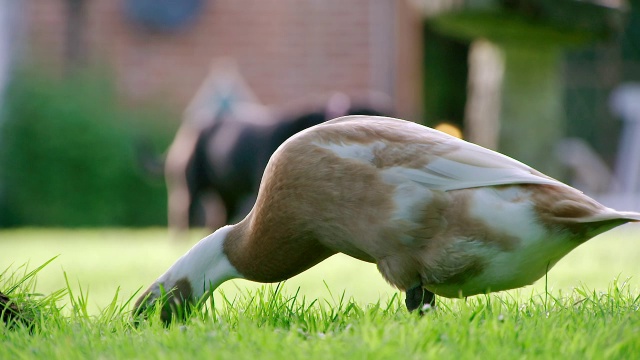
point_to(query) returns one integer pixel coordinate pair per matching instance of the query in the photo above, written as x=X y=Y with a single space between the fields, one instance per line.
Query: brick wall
x=284 y=48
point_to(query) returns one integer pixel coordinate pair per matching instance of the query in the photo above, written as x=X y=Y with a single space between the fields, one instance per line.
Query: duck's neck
x=205 y=266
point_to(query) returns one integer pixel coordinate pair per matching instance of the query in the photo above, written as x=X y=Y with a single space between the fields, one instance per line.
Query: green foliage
x=445 y=78
x=270 y=323
x=68 y=155
x=27 y=308
x=90 y=317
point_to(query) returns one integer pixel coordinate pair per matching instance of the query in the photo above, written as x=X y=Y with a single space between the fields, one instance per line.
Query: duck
x=436 y=214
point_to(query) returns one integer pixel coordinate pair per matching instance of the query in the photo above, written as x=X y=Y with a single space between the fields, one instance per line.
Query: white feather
x=445 y=174
x=362 y=152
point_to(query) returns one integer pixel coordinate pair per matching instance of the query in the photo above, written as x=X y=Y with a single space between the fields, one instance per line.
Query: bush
x=68 y=156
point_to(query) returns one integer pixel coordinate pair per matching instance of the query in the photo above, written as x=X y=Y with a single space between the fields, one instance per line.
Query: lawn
x=341 y=308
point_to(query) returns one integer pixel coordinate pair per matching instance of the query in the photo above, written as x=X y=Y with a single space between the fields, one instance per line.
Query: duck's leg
x=418 y=297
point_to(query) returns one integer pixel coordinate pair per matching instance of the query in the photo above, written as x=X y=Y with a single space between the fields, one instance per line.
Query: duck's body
x=435 y=213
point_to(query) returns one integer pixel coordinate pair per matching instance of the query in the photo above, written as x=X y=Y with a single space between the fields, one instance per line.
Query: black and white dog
x=213 y=172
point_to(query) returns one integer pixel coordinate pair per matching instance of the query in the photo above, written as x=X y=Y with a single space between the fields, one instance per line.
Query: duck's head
x=174 y=299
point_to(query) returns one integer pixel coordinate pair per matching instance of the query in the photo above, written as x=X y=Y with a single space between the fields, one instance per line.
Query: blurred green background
x=90 y=89
x=68 y=154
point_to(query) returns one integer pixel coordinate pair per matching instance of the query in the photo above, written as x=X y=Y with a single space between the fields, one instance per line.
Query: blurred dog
x=213 y=172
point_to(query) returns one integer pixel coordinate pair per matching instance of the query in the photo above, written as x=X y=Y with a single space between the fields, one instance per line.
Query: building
x=284 y=48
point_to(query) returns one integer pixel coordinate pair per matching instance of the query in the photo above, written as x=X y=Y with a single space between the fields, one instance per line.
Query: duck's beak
x=174 y=303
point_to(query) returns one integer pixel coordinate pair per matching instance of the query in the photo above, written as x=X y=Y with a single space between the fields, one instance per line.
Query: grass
x=83 y=307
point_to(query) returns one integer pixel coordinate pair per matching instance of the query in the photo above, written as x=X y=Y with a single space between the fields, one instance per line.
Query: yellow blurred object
x=449 y=129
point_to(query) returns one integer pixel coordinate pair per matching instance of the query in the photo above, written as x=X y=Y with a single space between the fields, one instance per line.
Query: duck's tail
x=629 y=215
x=590 y=226
x=610 y=215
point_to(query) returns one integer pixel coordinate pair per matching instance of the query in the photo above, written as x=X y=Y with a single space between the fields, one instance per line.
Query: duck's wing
x=468 y=165
x=427 y=156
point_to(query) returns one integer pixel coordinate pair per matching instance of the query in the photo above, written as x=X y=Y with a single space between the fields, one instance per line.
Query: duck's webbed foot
x=421 y=299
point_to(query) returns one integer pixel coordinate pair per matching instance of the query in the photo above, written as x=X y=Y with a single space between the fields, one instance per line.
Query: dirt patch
x=10 y=312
